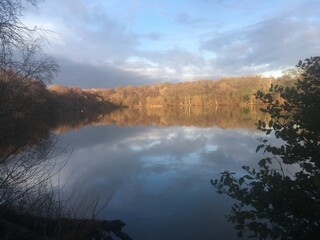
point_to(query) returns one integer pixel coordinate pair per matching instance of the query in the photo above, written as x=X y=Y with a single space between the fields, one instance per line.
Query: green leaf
x=262 y=162
x=259 y=147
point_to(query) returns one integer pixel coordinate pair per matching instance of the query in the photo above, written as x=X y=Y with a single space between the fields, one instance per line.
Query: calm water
x=155 y=174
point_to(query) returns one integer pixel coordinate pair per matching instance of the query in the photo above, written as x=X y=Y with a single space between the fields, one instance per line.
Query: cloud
x=271 y=44
x=153 y=36
x=175 y=63
x=156 y=185
x=134 y=41
x=185 y=18
x=85 y=32
x=86 y=75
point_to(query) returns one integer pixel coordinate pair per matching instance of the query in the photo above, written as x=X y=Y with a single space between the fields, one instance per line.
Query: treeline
x=29 y=110
x=76 y=99
x=228 y=91
x=20 y=97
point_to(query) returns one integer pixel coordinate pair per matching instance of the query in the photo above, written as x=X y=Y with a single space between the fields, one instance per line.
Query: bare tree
x=21 y=51
x=30 y=207
x=22 y=59
x=30 y=204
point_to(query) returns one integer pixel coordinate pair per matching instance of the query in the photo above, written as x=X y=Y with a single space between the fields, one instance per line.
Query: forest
x=232 y=91
x=20 y=96
x=227 y=91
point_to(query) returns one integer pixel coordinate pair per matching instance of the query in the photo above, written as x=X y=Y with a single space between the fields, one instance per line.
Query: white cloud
x=175 y=46
x=269 y=45
x=86 y=32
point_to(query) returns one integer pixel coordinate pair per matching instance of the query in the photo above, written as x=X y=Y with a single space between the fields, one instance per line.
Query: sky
x=107 y=43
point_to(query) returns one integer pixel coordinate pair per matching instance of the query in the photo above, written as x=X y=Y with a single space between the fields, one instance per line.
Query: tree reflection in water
x=271 y=201
x=30 y=204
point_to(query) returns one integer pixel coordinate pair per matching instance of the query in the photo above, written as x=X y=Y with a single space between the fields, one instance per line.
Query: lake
x=152 y=168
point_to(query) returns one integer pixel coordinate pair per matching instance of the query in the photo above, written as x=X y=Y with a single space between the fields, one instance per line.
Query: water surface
x=155 y=176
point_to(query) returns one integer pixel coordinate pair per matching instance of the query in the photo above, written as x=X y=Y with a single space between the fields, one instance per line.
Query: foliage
x=228 y=91
x=294 y=118
x=274 y=203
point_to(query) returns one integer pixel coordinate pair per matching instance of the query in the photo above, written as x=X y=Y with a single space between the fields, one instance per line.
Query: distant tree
x=272 y=202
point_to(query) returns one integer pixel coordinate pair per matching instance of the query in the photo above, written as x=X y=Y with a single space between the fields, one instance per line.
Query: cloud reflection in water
x=159 y=176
